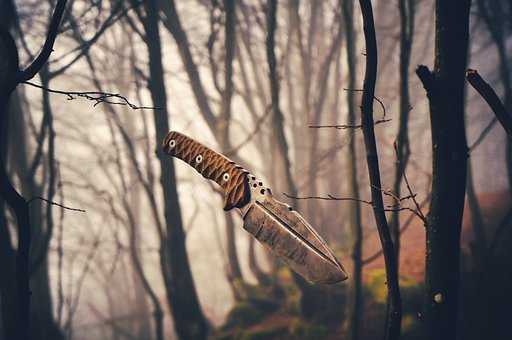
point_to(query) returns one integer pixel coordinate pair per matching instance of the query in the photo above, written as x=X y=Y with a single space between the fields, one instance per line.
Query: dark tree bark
x=8 y=289
x=188 y=318
x=394 y=305
x=10 y=77
x=445 y=90
x=19 y=317
x=43 y=325
x=355 y=305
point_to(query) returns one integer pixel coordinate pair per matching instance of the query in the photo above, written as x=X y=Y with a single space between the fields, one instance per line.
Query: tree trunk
x=318 y=108
x=445 y=90
x=479 y=244
x=283 y=163
x=20 y=312
x=234 y=271
x=394 y=304
x=223 y=126
x=143 y=324
x=172 y=23
x=183 y=302
x=354 y=306
x=407 y=13
x=8 y=288
x=255 y=268
x=43 y=325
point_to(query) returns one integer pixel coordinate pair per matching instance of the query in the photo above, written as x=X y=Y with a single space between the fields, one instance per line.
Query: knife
x=274 y=224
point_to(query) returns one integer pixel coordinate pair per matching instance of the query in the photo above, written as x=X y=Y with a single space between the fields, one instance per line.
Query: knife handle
x=231 y=177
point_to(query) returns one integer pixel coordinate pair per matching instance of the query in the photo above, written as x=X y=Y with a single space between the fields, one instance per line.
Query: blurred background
x=154 y=255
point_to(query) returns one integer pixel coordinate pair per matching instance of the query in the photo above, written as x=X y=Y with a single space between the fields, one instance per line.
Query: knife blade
x=274 y=224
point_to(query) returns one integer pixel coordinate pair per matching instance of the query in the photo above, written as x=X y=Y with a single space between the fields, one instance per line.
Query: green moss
x=301 y=329
x=376 y=286
x=412 y=300
x=264 y=334
x=243 y=314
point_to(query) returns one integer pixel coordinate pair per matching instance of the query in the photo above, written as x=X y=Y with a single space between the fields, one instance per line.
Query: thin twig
x=412 y=195
x=47 y=49
x=404 y=227
x=96 y=96
x=328 y=197
x=347 y=126
x=54 y=203
x=374 y=97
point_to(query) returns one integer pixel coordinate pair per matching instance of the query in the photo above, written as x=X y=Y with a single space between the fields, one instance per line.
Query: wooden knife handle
x=231 y=177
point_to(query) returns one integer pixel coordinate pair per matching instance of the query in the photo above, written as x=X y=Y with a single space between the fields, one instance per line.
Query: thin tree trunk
x=323 y=80
x=8 y=288
x=407 y=13
x=172 y=23
x=21 y=296
x=283 y=163
x=223 y=125
x=445 y=90
x=255 y=268
x=43 y=325
x=140 y=288
x=355 y=301
x=234 y=271
x=479 y=244
x=158 y=314
x=394 y=305
x=188 y=318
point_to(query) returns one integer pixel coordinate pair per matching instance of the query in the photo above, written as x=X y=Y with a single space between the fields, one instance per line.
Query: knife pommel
x=231 y=177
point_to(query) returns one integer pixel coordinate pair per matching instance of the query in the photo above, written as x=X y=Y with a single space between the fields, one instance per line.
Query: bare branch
x=404 y=227
x=329 y=197
x=116 y=14
x=387 y=208
x=97 y=97
x=47 y=49
x=412 y=195
x=374 y=97
x=490 y=96
x=347 y=126
x=54 y=203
